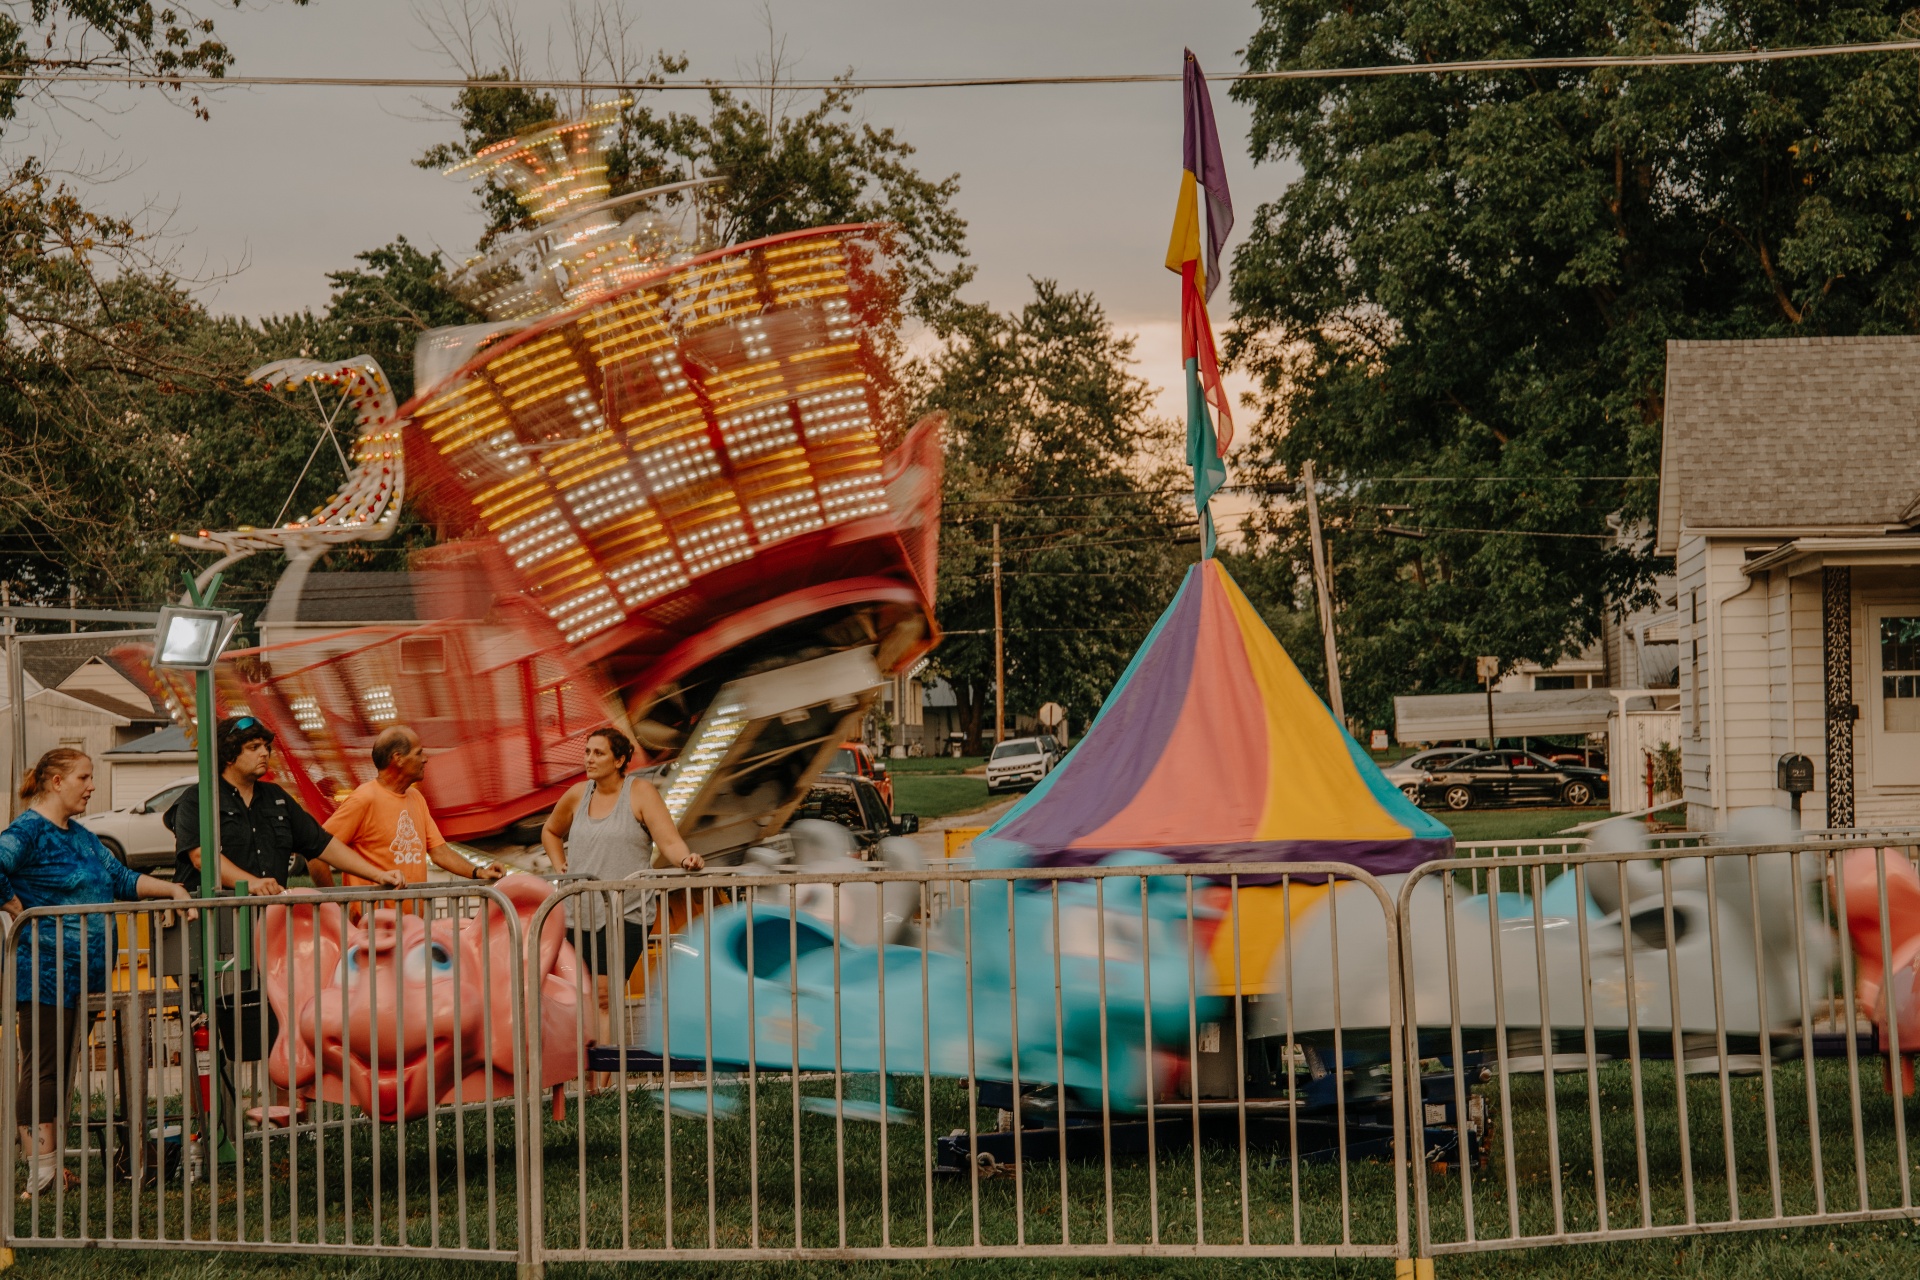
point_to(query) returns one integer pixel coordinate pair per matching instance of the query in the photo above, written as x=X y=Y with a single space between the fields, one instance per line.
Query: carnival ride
x=397 y=1014
x=660 y=466
x=898 y=1009
x=658 y=470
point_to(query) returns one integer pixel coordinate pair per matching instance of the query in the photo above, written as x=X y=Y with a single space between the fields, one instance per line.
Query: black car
x=856 y=804
x=1497 y=778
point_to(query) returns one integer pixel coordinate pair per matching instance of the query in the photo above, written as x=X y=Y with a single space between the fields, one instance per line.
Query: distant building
x=79 y=695
x=147 y=765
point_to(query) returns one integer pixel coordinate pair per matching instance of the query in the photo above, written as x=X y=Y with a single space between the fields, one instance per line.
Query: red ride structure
x=690 y=478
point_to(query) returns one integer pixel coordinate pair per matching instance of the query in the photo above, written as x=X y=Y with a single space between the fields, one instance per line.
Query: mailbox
x=1794 y=774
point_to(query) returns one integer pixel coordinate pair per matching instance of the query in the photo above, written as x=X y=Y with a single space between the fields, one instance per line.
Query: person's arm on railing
x=670 y=847
x=341 y=858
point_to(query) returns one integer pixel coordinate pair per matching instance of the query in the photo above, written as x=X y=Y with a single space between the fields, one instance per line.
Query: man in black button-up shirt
x=262 y=828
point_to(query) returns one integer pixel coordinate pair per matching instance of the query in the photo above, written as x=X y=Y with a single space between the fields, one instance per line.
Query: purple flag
x=1203 y=160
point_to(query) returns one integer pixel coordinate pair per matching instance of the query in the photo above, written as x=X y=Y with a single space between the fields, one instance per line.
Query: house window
x=1562 y=682
x=1900 y=673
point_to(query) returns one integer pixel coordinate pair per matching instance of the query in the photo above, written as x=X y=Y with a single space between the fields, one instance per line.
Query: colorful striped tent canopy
x=1212 y=748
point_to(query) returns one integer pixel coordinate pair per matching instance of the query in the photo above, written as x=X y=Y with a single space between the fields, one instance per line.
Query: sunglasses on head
x=245 y=723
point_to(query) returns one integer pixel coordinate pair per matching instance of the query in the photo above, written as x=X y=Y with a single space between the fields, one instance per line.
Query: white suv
x=1020 y=762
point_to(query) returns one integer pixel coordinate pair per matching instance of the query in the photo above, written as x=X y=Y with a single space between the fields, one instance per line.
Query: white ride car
x=1020 y=762
x=138 y=834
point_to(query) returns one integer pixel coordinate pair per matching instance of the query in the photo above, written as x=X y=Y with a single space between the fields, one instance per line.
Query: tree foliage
x=1476 y=274
x=1046 y=429
x=111 y=452
x=88 y=315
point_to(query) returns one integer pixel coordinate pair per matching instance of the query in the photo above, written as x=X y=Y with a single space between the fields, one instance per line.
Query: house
x=84 y=667
x=146 y=765
x=54 y=719
x=306 y=604
x=1790 y=500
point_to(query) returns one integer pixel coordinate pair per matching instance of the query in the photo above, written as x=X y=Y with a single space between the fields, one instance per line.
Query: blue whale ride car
x=1027 y=982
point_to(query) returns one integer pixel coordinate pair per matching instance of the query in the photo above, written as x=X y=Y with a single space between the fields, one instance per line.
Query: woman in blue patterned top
x=49 y=860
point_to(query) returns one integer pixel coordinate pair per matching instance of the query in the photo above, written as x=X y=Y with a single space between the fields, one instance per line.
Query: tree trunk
x=970 y=697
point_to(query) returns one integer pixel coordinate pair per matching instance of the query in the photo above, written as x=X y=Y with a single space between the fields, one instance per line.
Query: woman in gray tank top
x=612 y=827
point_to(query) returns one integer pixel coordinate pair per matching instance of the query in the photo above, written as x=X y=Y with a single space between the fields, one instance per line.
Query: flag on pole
x=1194 y=254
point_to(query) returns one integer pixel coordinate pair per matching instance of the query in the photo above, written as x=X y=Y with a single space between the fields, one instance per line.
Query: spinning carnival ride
x=660 y=467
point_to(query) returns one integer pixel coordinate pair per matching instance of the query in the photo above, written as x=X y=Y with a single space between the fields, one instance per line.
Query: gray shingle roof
x=352 y=598
x=51 y=661
x=1790 y=433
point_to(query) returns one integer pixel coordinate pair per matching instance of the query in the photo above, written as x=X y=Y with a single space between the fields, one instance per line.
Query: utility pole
x=1325 y=591
x=16 y=705
x=999 y=650
x=1489 y=671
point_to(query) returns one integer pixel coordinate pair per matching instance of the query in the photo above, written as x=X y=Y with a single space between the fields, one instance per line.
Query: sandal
x=69 y=1180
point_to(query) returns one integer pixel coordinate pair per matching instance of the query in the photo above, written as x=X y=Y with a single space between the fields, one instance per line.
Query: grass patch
x=618 y=1154
x=938 y=795
x=1514 y=824
x=935 y=764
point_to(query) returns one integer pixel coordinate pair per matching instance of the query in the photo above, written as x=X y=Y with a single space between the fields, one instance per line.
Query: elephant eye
x=428 y=957
x=352 y=964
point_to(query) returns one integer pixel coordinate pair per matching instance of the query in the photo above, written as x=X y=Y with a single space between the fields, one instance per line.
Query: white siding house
x=1790 y=501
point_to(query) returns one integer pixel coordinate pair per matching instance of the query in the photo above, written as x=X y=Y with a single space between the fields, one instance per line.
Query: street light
x=190 y=639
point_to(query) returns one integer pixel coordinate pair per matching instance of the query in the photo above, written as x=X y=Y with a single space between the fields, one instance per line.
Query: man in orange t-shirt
x=386 y=820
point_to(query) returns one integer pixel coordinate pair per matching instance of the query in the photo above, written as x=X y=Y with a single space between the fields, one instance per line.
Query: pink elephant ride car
x=399 y=1013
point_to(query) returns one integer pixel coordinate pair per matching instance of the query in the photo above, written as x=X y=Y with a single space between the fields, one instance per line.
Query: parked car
x=855 y=760
x=1021 y=762
x=1410 y=774
x=138 y=834
x=855 y=804
x=1512 y=777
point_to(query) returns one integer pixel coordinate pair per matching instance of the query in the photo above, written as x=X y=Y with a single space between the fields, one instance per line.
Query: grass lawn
x=938 y=795
x=934 y=764
x=1514 y=824
x=1882 y=1252
x=620 y=1155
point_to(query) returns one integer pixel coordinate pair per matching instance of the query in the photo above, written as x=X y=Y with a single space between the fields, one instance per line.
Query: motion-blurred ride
x=672 y=494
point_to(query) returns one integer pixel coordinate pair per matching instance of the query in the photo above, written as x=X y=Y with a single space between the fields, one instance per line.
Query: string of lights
x=71 y=74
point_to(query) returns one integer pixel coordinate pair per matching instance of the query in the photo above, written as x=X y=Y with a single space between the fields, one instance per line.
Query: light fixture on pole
x=191 y=639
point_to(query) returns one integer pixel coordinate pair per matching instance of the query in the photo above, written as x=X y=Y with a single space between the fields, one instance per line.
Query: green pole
x=203 y=719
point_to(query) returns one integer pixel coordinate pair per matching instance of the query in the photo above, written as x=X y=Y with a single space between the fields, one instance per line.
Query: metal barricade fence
x=1664 y=1042
x=1061 y=1062
x=1235 y=1060
x=384 y=1118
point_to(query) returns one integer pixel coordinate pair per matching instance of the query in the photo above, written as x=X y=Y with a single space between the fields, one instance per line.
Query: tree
x=68 y=328
x=114 y=456
x=1046 y=426
x=1475 y=276
x=788 y=165
x=381 y=309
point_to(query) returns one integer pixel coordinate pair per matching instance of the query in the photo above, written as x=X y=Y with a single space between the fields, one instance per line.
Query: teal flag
x=1203 y=455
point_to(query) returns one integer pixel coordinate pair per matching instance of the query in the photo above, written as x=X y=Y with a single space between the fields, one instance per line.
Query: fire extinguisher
x=203 y=1067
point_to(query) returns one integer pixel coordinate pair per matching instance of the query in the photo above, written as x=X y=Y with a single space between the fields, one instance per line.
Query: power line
x=1288 y=488
x=1685 y=58
x=1518 y=533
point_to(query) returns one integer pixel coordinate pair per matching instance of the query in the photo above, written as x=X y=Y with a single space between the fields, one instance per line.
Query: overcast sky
x=285 y=184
